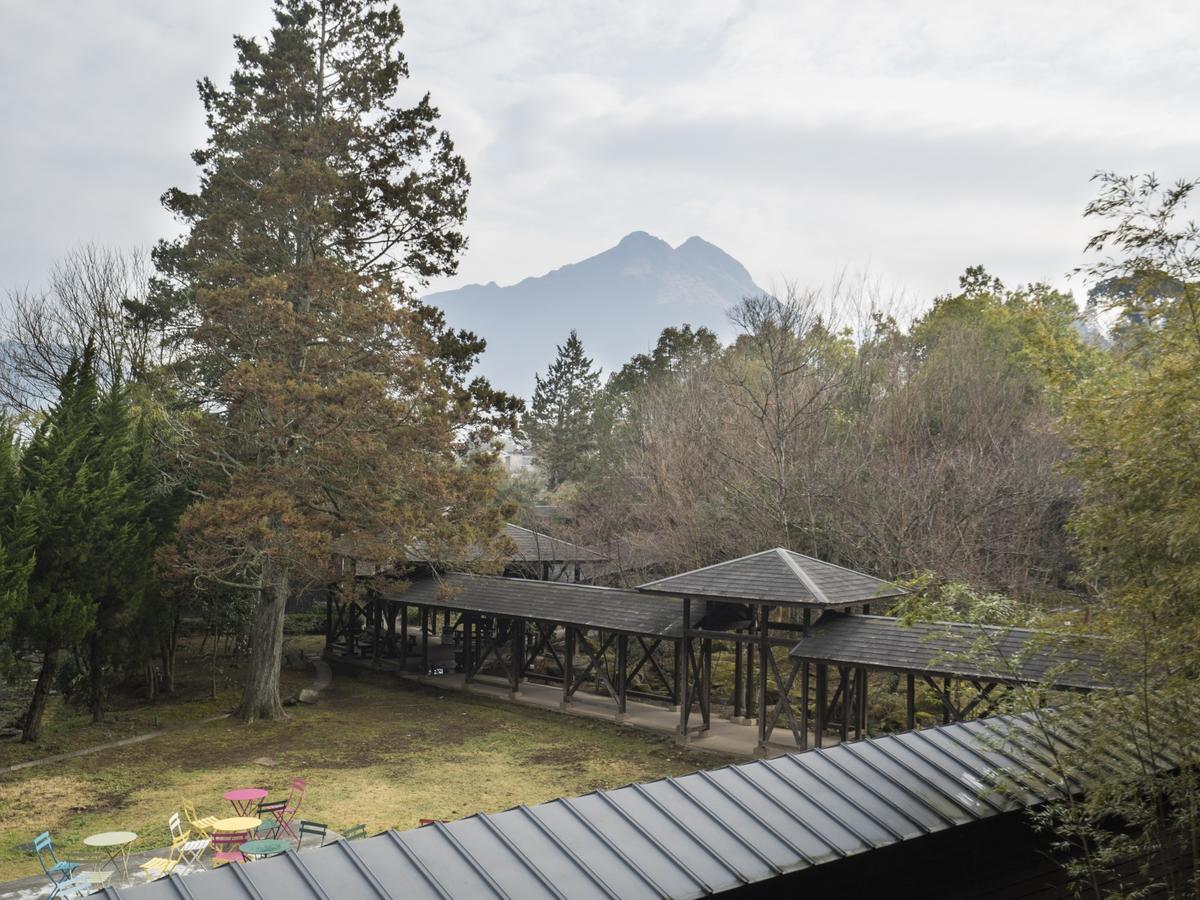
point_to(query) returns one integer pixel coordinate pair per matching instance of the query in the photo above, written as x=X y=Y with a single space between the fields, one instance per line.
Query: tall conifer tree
x=560 y=424
x=335 y=404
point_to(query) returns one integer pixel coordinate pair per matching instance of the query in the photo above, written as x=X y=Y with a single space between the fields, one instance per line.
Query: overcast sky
x=908 y=139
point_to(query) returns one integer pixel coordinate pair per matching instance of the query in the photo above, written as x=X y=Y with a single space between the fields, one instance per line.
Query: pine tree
x=63 y=499
x=334 y=403
x=560 y=426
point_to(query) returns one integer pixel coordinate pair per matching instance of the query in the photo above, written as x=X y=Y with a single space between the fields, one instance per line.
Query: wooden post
x=860 y=724
x=517 y=649
x=750 y=681
x=910 y=719
x=376 y=628
x=622 y=672
x=468 y=650
x=568 y=664
x=706 y=682
x=738 y=687
x=847 y=691
x=804 y=705
x=822 y=691
x=403 y=637
x=328 y=622
x=390 y=611
x=764 y=616
x=578 y=573
x=685 y=671
x=945 y=701
x=424 y=641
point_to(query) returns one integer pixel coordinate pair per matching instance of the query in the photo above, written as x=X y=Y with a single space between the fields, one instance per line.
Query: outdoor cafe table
x=237 y=823
x=245 y=799
x=115 y=845
x=268 y=847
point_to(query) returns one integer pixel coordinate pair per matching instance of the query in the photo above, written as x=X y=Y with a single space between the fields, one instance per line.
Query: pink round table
x=244 y=800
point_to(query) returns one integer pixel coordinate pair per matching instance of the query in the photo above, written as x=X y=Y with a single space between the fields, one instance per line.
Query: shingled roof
x=533 y=546
x=583 y=605
x=1012 y=655
x=779 y=577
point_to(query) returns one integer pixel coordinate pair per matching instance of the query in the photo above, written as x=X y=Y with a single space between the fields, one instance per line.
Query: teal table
x=270 y=847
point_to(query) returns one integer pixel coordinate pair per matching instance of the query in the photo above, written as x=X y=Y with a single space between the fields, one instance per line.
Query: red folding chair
x=225 y=846
x=295 y=797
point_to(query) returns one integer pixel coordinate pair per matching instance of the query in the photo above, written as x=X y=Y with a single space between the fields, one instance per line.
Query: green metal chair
x=314 y=828
x=354 y=832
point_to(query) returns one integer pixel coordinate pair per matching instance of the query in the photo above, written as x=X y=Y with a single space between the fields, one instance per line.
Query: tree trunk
x=96 y=680
x=32 y=726
x=260 y=698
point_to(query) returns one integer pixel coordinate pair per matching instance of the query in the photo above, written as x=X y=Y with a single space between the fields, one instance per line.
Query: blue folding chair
x=59 y=871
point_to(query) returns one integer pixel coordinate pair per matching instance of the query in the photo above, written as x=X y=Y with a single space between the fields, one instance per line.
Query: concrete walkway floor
x=723 y=736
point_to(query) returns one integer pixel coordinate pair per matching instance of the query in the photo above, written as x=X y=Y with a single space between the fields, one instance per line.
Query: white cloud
x=913 y=137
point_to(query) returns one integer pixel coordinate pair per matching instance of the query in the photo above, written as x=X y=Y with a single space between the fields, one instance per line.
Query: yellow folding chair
x=200 y=826
x=160 y=866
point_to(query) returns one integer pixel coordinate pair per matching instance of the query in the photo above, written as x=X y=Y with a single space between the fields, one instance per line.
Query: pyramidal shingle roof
x=777 y=576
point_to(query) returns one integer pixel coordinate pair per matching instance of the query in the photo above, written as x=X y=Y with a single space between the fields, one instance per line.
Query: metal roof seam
x=364 y=869
x=765 y=860
x=528 y=863
x=309 y=879
x=775 y=832
x=470 y=860
x=850 y=829
x=895 y=835
x=957 y=778
x=991 y=772
x=799 y=820
x=567 y=852
x=1050 y=785
x=828 y=756
x=950 y=775
x=244 y=880
x=411 y=856
x=911 y=793
x=924 y=779
x=658 y=845
x=613 y=848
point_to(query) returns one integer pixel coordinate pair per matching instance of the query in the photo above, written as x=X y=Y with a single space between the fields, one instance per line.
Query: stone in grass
x=266 y=761
x=307 y=695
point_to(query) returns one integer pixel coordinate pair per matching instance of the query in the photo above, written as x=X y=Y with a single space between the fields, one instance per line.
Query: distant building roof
x=533 y=546
x=583 y=605
x=1015 y=655
x=698 y=834
x=778 y=577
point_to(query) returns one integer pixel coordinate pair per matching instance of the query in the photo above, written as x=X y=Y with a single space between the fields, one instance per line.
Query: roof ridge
x=572 y=584
x=798 y=571
x=715 y=565
x=826 y=562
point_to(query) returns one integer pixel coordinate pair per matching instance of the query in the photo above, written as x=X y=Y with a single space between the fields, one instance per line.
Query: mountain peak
x=642 y=239
x=618 y=301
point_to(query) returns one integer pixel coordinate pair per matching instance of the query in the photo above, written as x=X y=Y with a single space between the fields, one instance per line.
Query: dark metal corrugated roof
x=779 y=577
x=683 y=837
x=584 y=605
x=1014 y=655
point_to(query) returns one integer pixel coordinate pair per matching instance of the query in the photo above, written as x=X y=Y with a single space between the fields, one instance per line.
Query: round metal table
x=245 y=799
x=267 y=847
x=237 y=823
x=115 y=845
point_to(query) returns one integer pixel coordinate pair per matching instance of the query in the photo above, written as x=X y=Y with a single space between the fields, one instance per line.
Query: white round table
x=115 y=845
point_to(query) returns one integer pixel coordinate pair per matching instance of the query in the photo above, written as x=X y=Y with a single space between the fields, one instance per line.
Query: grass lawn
x=379 y=754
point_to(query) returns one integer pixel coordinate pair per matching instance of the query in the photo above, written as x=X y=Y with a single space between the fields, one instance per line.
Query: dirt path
x=322 y=680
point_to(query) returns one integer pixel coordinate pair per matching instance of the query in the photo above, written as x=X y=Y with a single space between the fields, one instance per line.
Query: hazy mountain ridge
x=618 y=300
